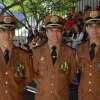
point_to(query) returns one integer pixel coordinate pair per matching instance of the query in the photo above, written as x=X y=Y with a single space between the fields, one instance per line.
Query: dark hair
x=87 y=7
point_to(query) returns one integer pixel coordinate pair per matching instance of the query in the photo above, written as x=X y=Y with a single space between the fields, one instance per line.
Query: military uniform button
x=6 y=73
x=89 y=82
x=6 y=82
x=90 y=90
x=51 y=92
x=52 y=84
x=6 y=92
x=90 y=74
x=90 y=66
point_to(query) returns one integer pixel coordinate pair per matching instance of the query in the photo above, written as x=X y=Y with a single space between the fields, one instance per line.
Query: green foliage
x=39 y=8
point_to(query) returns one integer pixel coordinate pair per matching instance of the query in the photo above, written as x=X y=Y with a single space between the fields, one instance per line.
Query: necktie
x=92 y=51
x=6 y=56
x=53 y=54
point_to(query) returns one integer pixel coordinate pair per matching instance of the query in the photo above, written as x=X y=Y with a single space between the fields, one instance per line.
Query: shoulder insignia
x=38 y=43
x=22 y=50
x=67 y=46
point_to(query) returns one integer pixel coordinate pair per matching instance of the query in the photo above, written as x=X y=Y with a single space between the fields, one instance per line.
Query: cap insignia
x=94 y=14
x=7 y=19
x=54 y=19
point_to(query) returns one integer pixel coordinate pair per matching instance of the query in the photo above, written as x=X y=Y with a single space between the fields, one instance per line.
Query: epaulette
x=64 y=44
x=22 y=50
x=39 y=43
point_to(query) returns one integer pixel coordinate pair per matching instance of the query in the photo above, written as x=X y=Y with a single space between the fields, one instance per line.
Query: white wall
x=82 y=3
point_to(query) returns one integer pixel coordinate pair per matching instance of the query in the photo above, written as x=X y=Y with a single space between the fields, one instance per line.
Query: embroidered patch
x=64 y=66
x=19 y=71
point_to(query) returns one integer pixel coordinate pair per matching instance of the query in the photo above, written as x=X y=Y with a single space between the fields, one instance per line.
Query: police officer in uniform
x=54 y=63
x=89 y=59
x=15 y=64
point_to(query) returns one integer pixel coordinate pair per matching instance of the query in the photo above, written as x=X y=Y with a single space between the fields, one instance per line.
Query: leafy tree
x=37 y=8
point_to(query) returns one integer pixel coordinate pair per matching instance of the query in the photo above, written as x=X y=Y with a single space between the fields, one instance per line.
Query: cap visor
x=54 y=25
x=91 y=20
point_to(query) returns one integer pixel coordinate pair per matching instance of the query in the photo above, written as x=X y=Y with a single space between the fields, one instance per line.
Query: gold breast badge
x=64 y=66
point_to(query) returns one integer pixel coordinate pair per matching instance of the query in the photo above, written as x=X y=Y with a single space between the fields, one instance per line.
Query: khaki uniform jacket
x=12 y=82
x=53 y=80
x=89 y=88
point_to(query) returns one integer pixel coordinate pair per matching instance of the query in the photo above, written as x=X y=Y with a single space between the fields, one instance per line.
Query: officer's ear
x=12 y=34
x=63 y=31
x=86 y=28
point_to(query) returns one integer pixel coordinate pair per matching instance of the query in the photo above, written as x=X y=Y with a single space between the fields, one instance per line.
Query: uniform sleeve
x=73 y=66
x=35 y=64
x=23 y=66
x=29 y=72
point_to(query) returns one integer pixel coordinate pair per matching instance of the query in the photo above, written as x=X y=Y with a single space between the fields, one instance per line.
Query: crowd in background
x=74 y=33
x=53 y=62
